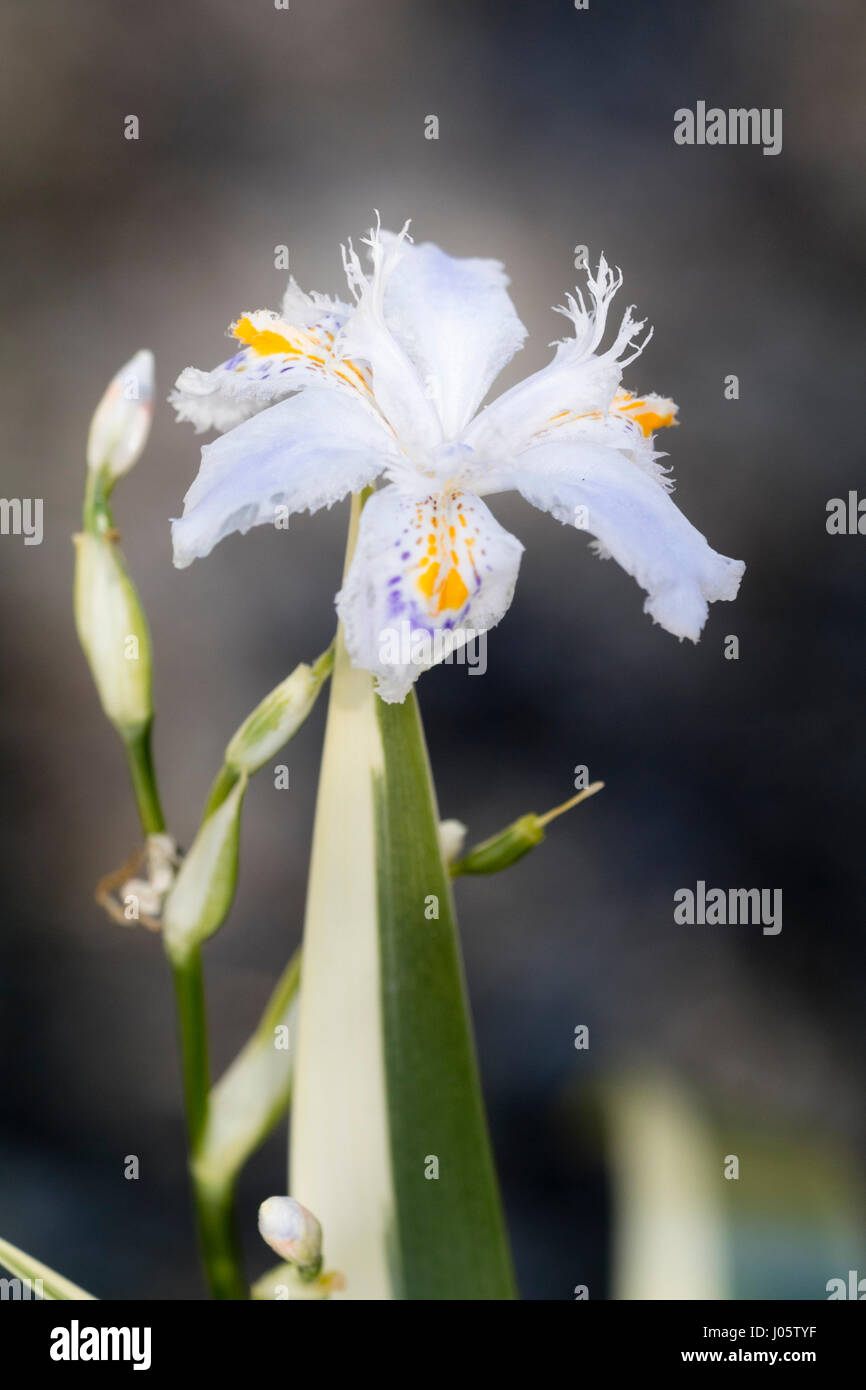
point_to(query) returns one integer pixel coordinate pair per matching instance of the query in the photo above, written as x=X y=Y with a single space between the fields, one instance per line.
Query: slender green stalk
x=218 y=1237
x=140 y=759
x=213 y=1200
x=223 y=783
x=192 y=1020
x=214 y=1204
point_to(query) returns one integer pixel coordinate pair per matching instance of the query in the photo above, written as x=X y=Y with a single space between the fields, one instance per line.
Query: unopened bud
x=503 y=849
x=113 y=631
x=121 y=422
x=452 y=833
x=293 y=1232
x=278 y=717
x=201 y=897
x=515 y=840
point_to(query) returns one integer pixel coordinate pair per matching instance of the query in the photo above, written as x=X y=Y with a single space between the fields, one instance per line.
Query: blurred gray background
x=261 y=127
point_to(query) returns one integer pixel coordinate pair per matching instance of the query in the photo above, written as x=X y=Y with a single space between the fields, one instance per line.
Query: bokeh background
x=261 y=127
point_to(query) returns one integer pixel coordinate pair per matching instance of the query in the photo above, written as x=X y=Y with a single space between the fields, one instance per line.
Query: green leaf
x=53 y=1285
x=449 y=1229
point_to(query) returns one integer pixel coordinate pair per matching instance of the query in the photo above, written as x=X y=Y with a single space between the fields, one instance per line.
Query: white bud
x=452 y=833
x=121 y=422
x=113 y=631
x=202 y=893
x=292 y=1231
x=276 y=720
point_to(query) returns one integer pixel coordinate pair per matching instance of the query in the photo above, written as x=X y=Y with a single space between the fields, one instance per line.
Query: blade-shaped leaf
x=450 y=1230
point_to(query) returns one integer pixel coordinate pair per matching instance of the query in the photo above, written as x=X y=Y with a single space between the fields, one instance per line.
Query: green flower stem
x=192 y=1018
x=218 y=1238
x=140 y=759
x=214 y=1206
x=223 y=783
x=103 y=587
x=214 y=1201
x=228 y=1124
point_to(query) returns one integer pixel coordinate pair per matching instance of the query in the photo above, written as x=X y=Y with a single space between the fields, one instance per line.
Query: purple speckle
x=405 y=555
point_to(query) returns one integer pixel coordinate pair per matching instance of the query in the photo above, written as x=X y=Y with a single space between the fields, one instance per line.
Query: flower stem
x=189 y=996
x=218 y=1239
x=140 y=759
x=214 y=1200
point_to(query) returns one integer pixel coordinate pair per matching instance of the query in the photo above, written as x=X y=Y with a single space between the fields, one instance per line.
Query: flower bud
x=503 y=849
x=121 y=422
x=452 y=833
x=113 y=631
x=292 y=1231
x=277 y=719
x=515 y=840
x=201 y=897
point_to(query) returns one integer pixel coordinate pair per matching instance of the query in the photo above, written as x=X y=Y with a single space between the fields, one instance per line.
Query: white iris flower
x=325 y=398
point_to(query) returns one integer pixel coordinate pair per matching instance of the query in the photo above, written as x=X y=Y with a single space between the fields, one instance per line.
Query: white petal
x=254 y=377
x=455 y=320
x=622 y=499
x=310 y=310
x=578 y=380
x=301 y=454
x=237 y=389
x=397 y=386
x=426 y=577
